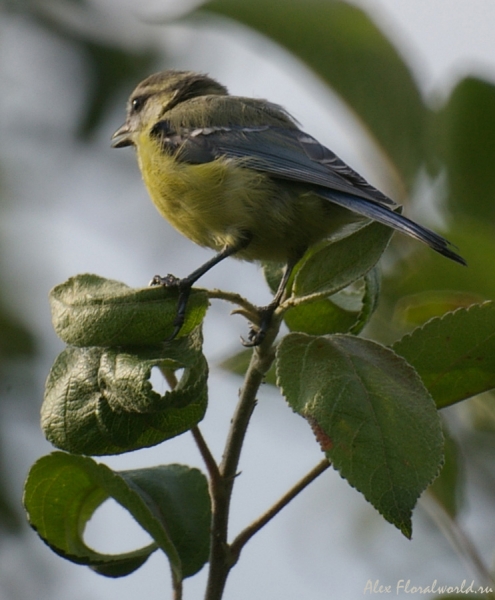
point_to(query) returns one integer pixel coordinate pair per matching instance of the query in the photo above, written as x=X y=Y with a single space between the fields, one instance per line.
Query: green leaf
x=337 y=314
x=346 y=311
x=348 y=51
x=88 y=310
x=238 y=363
x=332 y=265
x=369 y=301
x=273 y=272
x=171 y=503
x=448 y=487
x=454 y=355
x=465 y=129
x=371 y=414
x=100 y=401
x=323 y=298
x=180 y=494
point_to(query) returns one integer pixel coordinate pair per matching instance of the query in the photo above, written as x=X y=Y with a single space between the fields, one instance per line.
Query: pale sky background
x=84 y=209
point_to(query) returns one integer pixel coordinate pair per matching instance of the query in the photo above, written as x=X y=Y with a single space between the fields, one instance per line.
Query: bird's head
x=158 y=94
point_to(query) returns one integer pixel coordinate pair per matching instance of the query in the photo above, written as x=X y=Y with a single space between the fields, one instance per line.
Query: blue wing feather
x=290 y=154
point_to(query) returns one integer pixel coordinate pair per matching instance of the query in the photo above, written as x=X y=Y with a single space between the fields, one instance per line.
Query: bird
x=237 y=175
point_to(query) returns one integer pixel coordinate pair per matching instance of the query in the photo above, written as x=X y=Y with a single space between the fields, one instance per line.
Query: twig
x=221 y=558
x=177 y=588
x=204 y=450
x=245 y=535
x=206 y=454
x=170 y=377
x=233 y=298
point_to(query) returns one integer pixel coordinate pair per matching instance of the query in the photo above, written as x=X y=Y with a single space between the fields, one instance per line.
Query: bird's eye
x=138 y=103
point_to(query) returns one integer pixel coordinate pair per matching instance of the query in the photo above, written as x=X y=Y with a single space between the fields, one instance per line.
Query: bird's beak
x=122 y=137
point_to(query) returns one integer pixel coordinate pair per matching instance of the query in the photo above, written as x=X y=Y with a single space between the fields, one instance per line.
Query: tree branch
x=206 y=454
x=245 y=535
x=246 y=309
x=203 y=448
x=221 y=559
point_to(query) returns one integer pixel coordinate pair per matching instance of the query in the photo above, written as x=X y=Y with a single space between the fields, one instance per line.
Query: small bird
x=237 y=175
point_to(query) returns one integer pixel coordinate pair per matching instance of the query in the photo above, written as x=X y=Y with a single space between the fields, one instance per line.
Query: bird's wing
x=286 y=153
x=290 y=154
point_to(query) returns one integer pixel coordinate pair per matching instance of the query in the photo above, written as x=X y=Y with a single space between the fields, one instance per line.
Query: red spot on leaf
x=322 y=438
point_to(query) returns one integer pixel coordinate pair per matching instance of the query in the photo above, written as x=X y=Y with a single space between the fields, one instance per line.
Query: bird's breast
x=212 y=203
x=220 y=202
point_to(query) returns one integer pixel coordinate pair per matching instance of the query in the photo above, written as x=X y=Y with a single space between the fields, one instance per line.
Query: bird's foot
x=168 y=281
x=255 y=337
x=257 y=334
x=184 y=286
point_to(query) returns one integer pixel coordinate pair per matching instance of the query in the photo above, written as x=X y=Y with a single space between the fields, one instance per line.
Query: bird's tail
x=383 y=214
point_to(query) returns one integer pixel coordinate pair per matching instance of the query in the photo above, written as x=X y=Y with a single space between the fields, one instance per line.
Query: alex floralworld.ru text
x=406 y=587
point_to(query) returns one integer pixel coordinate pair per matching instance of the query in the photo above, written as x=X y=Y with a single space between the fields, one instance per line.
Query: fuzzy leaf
x=454 y=355
x=88 y=310
x=100 y=401
x=371 y=413
x=333 y=265
x=348 y=310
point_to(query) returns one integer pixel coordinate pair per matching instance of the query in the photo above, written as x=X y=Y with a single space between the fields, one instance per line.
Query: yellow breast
x=221 y=202
x=211 y=203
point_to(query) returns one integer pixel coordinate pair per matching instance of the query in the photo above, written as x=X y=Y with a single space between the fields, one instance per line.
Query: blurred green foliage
x=341 y=44
x=466 y=146
x=345 y=49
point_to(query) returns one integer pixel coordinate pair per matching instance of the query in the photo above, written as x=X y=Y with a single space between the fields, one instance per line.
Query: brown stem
x=177 y=589
x=221 y=558
x=206 y=454
x=233 y=298
x=245 y=535
x=170 y=377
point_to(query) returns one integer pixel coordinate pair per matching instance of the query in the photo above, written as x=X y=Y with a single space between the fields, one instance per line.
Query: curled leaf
x=171 y=502
x=101 y=401
x=88 y=310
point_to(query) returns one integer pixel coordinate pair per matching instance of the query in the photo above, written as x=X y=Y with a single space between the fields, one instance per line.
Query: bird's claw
x=168 y=281
x=175 y=332
x=257 y=334
x=184 y=287
x=255 y=337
